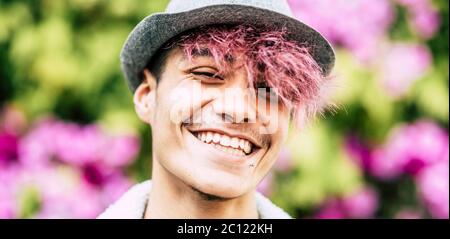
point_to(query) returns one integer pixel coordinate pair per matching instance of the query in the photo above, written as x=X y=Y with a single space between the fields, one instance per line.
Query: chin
x=222 y=186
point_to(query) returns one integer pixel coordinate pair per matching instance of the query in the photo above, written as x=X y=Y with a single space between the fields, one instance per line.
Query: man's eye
x=207 y=74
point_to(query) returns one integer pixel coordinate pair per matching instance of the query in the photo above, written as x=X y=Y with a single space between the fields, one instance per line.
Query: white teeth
x=216 y=138
x=234 y=142
x=234 y=145
x=208 y=137
x=225 y=140
x=203 y=136
x=247 y=147
x=242 y=144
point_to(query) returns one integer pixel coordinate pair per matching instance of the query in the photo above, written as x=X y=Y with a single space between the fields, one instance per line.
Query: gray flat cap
x=182 y=15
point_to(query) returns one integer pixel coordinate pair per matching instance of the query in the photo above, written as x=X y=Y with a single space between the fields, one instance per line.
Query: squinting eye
x=207 y=74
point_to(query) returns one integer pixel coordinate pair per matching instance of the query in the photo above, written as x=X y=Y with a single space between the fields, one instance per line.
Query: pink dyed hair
x=270 y=58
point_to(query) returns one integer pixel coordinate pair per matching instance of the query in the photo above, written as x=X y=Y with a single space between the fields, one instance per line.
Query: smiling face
x=216 y=147
x=211 y=128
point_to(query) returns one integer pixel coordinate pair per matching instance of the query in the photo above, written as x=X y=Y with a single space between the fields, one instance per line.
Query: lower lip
x=219 y=154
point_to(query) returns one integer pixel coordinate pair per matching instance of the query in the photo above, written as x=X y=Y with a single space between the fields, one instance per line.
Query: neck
x=170 y=197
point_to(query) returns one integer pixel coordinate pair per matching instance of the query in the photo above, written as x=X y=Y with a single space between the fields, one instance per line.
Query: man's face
x=209 y=131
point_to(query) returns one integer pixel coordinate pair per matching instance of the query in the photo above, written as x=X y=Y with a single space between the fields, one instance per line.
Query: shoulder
x=131 y=205
x=268 y=210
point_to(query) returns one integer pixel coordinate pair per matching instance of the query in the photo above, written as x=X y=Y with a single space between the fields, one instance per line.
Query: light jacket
x=133 y=203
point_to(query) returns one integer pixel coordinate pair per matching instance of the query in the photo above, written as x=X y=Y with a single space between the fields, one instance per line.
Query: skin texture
x=192 y=179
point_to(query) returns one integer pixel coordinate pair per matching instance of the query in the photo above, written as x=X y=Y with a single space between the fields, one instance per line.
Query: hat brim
x=155 y=30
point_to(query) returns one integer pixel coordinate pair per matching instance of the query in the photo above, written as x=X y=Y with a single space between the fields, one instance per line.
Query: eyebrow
x=205 y=52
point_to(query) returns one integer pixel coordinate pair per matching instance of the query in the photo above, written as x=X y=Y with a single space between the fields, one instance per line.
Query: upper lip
x=230 y=134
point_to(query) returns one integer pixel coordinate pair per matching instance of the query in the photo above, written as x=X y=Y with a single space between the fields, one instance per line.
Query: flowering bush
x=357 y=25
x=420 y=151
x=62 y=170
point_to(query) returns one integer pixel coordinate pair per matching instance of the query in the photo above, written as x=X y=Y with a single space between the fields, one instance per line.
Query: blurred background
x=70 y=142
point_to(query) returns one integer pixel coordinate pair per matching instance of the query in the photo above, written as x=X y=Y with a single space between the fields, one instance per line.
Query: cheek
x=182 y=99
x=174 y=104
x=280 y=123
x=171 y=101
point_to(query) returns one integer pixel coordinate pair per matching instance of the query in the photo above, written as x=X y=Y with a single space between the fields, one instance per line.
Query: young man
x=218 y=81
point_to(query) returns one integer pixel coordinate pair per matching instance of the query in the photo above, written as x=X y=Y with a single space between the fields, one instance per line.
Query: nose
x=234 y=106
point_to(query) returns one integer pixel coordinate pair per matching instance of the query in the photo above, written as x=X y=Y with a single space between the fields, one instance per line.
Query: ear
x=145 y=97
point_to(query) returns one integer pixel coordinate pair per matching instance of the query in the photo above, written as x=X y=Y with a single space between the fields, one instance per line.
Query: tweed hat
x=182 y=15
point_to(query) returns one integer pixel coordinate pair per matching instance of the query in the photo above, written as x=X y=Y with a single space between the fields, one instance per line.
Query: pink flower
x=64 y=194
x=425 y=22
x=361 y=203
x=423 y=17
x=87 y=201
x=116 y=185
x=75 y=169
x=332 y=209
x=122 y=151
x=82 y=201
x=95 y=174
x=37 y=146
x=365 y=22
x=433 y=186
x=409 y=149
x=402 y=66
x=359 y=153
x=82 y=145
x=8 y=148
x=8 y=207
x=10 y=185
x=76 y=145
x=386 y=164
x=79 y=145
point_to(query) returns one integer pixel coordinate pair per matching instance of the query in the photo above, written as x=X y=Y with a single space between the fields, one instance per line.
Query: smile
x=232 y=145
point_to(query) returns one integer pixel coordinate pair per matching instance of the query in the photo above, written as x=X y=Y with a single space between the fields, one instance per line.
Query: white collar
x=132 y=205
